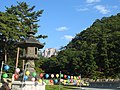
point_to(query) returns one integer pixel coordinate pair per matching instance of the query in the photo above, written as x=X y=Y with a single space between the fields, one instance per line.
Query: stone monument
x=30 y=48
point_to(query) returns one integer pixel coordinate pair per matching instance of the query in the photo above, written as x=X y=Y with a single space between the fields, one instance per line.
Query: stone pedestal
x=28 y=85
x=30 y=66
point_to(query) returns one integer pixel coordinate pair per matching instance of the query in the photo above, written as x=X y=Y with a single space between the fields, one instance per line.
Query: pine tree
x=27 y=17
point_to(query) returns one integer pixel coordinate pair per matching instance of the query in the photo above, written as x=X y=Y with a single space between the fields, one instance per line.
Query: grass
x=56 y=87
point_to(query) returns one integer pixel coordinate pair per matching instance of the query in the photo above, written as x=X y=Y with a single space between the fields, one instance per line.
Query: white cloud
x=102 y=9
x=67 y=37
x=115 y=7
x=92 y=1
x=82 y=9
x=63 y=28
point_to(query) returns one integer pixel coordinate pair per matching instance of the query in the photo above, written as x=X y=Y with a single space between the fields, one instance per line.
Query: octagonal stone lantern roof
x=30 y=41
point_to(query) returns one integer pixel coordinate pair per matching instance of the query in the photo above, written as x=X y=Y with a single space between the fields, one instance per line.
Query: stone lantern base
x=28 y=85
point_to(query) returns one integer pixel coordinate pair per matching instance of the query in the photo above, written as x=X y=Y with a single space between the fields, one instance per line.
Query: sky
x=63 y=19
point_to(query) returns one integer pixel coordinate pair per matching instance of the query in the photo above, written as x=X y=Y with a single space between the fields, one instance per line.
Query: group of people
x=5 y=86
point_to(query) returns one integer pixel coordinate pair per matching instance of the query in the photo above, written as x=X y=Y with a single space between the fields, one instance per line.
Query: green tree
x=27 y=17
x=98 y=48
x=14 y=24
x=9 y=34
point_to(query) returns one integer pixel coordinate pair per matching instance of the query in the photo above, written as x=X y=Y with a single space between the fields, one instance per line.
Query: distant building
x=39 y=53
x=49 y=52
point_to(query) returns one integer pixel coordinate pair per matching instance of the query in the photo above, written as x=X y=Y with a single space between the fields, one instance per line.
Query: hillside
x=100 y=43
x=93 y=53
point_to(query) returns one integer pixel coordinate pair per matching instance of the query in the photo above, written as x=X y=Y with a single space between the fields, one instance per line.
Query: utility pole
x=60 y=81
x=17 y=57
x=1 y=71
x=80 y=81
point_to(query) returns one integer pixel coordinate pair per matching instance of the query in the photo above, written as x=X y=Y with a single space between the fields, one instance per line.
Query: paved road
x=87 y=88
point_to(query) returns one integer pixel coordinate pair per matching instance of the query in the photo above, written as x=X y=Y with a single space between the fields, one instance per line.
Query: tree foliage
x=94 y=52
x=28 y=18
x=9 y=34
x=15 y=22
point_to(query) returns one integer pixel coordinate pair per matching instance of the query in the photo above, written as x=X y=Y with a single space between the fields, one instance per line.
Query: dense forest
x=93 y=53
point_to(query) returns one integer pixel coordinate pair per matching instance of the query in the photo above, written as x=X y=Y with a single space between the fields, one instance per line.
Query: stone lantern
x=30 y=48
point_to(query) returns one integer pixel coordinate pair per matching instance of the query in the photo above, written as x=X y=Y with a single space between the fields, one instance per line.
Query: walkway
x=87 y=88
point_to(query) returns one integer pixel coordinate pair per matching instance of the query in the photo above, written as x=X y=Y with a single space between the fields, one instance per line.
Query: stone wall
x=109 y=84
x=28 y=85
